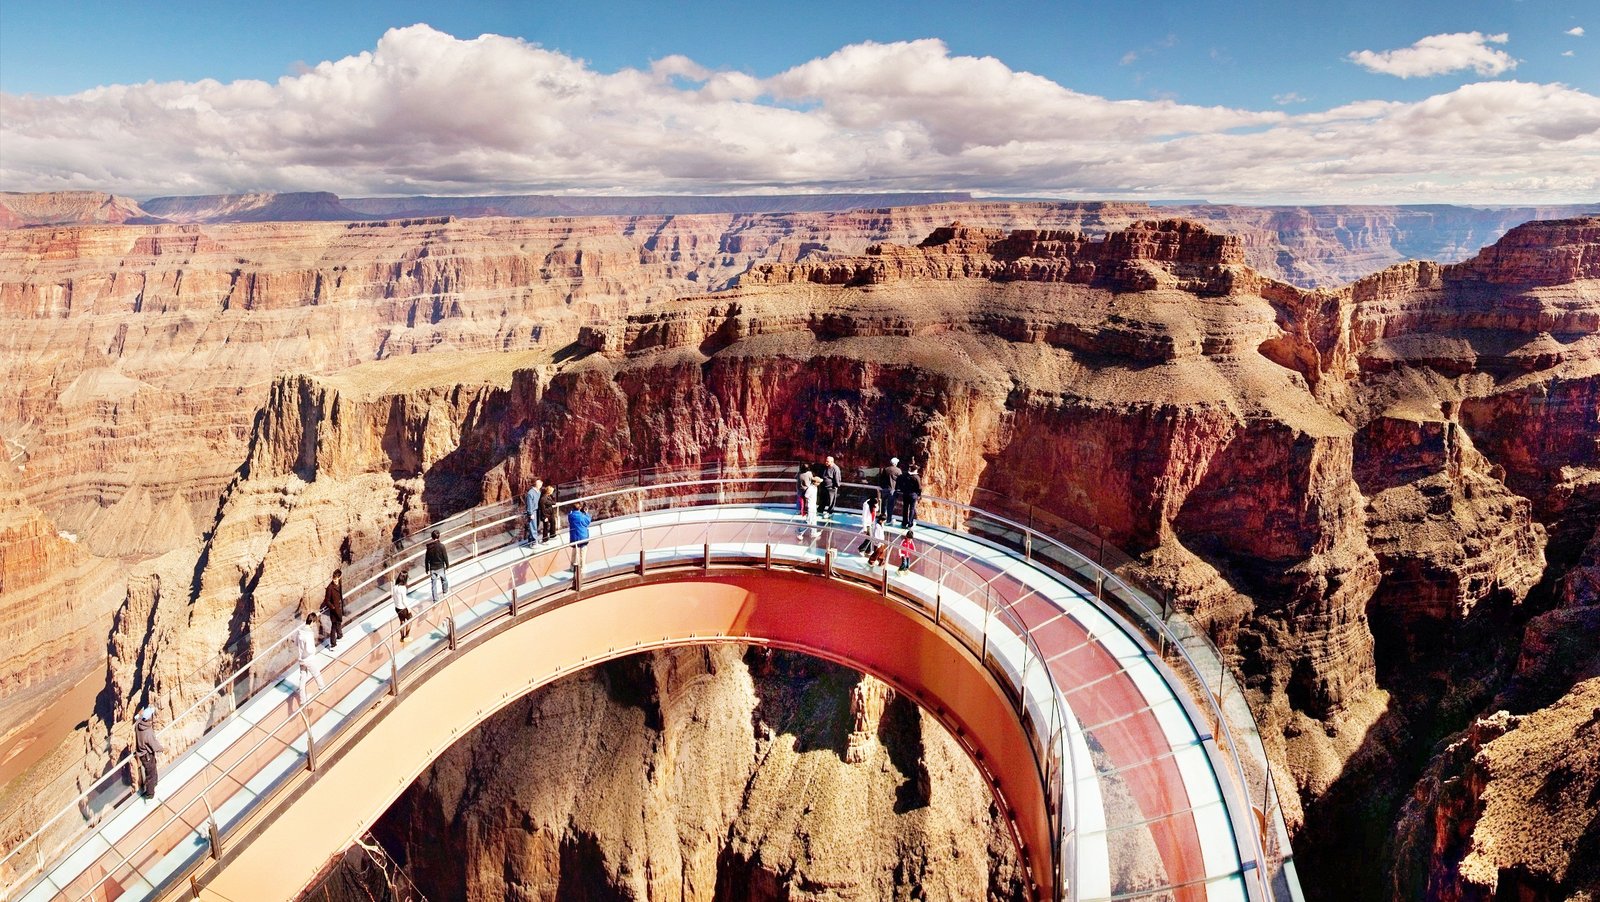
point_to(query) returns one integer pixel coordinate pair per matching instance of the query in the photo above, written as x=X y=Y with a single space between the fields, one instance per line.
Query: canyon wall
x=1361 y=492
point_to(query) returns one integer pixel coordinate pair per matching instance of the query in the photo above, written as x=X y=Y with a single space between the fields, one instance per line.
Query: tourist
x=531 y=500
x=578 y=534
x=831 y=480
x=333 y=603
x=869 y=516
x=436 y=560
x=145 y=747
x=305 y=656
x=908 y=550
x=910 y=493
x=880 y=544
x=888 y=485
x=802 y=478
x=808 y=497
x=402 y=604
x=547 y=514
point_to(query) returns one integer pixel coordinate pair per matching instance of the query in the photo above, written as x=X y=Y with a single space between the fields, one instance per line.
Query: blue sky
x=1533 y=61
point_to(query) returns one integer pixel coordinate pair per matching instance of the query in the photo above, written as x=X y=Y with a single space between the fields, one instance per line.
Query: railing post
x=212 y=832
x=516 y=601
x=450 y=631
x=988 y=607
x=311 y=743
x=641 y=558
x=474 y=532
x=394 y=668
x=827 y=564
x=705 y=560
x=767 y=560
x=883 y=585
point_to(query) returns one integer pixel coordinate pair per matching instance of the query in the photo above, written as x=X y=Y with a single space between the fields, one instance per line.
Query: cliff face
x=1359 y=491
x=702 y=775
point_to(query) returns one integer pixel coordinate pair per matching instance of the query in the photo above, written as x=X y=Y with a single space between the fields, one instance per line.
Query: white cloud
x=1286 y=99
x=1576 y=31
x=1567 y=53
x=1440 y=53
x=427 y=113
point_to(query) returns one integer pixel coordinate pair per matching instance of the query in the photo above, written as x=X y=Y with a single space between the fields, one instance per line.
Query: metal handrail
x=458 y=531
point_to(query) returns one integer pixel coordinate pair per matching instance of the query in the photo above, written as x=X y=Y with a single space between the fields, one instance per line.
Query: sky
x=1404 y=101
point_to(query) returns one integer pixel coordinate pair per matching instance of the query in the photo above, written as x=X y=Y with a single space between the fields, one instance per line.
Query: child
x=880 y=546
x=402 y=604
x=907 y=549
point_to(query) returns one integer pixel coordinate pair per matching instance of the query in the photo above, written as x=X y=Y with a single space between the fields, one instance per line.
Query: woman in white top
x=880 y=545
x=810 y=494
x=402 y=604
x=305 y=647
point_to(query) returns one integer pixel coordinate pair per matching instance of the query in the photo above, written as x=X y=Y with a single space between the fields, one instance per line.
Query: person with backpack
x=146 y=745
x=436 y=560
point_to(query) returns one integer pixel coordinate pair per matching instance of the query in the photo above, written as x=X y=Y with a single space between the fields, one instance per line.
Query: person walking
x=436 y=561
x=531 y=501
x=869 y=516
x=547 y=514
x=908 y=551
x=831 y=480
x=305 y=658
x=808 y=497
x=402 y=603
x=333 y=603
x=880 y=545
x=910 y=493
x=578 y=534
x=146 y=745
x=888 y=485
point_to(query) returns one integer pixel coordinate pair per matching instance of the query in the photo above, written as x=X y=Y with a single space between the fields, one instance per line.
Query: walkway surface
x=1146 y=807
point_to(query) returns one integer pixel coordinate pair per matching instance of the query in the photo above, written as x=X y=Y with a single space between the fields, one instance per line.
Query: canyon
x=1381 y=499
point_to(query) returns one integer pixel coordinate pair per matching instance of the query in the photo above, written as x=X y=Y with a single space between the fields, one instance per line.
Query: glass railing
x=1005 y=636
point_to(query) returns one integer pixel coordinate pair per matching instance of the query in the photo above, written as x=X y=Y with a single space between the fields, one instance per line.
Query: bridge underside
x=326 y=811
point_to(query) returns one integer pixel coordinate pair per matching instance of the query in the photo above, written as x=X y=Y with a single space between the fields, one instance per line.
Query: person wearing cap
x=145 y=747
x=888 y=486
x=436 y=560
x=333 y=603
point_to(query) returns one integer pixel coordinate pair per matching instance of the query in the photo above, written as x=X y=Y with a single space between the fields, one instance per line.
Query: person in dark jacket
x=888 y=485
x=547 y=514
x=436 y=561
x=578 y=533
x=532 y=502
x=831 y=480
x=145 y=747
x=910 y=488
x=333 y=603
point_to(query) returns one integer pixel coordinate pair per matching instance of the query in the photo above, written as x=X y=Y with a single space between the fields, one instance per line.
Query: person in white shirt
x=402 y=604
x=305 y=648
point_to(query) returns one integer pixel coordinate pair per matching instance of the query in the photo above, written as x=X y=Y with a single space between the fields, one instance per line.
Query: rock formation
x=1374 y=497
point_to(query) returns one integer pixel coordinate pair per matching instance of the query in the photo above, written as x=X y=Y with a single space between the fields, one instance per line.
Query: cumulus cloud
x=425 y=112
x=1440 y=53
x=1576 y=31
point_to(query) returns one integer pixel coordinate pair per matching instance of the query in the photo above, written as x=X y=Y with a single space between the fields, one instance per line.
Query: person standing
x=908 y=551
x=547 y=514
x=910 y=493
x=531 y=501
x=888 y=485
x=436 y=560
x=333 y=603
x=578 y=534
x=802 y=478
x=402 y=603
x=808 y=497
x=831 y=480
x=305 y=658
x=869 y=516
x=146 y=745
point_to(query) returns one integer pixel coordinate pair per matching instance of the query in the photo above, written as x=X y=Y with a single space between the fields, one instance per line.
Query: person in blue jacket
x=578 y=534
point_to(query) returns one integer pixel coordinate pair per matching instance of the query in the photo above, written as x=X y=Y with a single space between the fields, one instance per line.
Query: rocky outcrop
x=709 y=774
x=66 y=208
